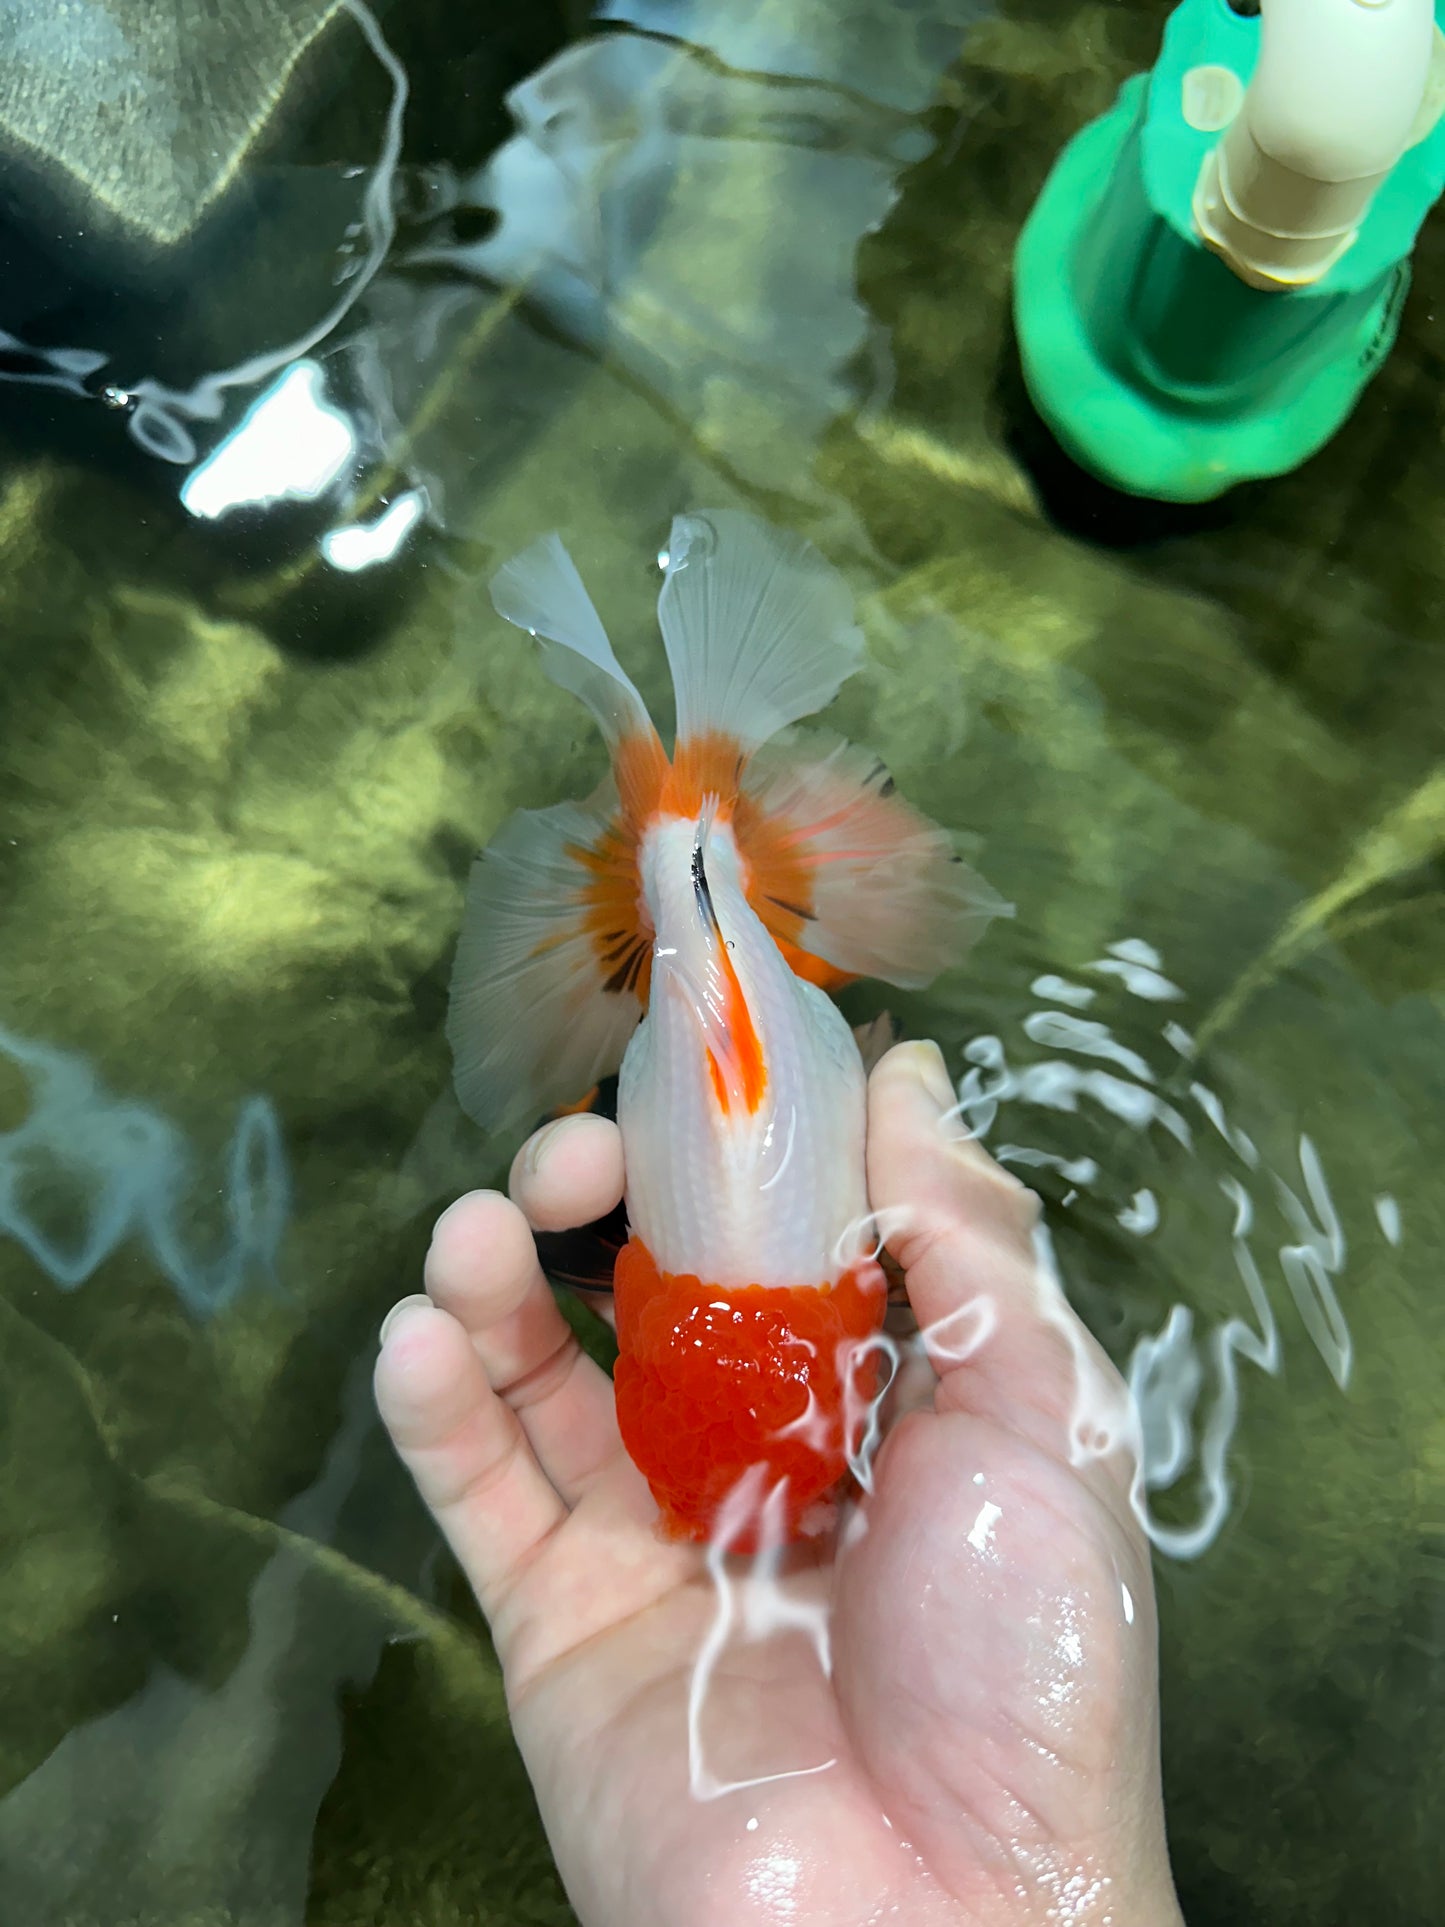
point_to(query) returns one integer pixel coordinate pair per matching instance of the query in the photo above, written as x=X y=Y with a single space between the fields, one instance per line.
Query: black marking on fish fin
x=584 y=1259
x=791 y=909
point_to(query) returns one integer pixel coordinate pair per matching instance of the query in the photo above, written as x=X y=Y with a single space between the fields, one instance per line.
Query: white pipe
x=1332 y=106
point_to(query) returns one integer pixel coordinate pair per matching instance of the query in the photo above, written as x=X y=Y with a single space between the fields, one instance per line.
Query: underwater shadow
x=1076 y=501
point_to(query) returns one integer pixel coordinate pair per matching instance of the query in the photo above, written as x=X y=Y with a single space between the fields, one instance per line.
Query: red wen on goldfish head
x=683 y=927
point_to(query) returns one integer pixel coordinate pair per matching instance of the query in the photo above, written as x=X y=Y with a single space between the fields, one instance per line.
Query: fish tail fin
x=552 y=967
x=541 y=592
x=758 y=629
x=850 y=879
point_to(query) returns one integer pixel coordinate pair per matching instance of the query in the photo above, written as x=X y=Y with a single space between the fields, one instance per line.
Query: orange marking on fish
x=779 y=882
x=712 y=1380
x=703 y=766
x=746 y=1046
x=640 y=765
x=583 y=1103
x=614 y=917
x=719 y=1082
x=802 y=963
x=778 y=876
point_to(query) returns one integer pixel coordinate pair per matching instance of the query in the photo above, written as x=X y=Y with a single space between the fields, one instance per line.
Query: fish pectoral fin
x=845 y=870
x=545 y=994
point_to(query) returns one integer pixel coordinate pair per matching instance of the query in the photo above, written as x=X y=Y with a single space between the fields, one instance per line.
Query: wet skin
x=992 y=1707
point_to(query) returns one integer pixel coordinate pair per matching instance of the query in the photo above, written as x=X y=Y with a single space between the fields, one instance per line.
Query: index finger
x=569 y=1173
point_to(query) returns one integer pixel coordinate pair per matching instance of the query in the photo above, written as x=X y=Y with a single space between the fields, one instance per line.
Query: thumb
x=1000 y=1334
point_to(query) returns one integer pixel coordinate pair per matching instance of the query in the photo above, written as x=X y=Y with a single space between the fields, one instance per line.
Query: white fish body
x=771 y=1194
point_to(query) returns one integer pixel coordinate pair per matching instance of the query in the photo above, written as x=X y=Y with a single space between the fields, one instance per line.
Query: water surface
x=270 y=423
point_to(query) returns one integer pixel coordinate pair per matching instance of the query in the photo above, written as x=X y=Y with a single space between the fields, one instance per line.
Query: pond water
x=312 y=316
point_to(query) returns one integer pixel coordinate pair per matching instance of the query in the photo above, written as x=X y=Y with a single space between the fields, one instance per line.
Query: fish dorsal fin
x=541 y=591
x=758 y=627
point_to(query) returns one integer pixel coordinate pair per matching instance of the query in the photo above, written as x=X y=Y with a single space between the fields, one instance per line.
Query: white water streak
x=1184 y=1384
x=755 y=1606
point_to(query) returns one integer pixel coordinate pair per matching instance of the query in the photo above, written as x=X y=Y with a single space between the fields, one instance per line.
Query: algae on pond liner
x=241 y=789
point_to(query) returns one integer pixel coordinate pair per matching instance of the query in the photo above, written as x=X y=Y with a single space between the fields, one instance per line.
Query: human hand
x=990 y=1713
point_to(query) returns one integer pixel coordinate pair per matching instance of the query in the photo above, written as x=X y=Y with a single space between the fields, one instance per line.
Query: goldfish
x=684 y=928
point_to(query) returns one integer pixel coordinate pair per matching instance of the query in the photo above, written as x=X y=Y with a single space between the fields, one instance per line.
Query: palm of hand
x=982 y=1745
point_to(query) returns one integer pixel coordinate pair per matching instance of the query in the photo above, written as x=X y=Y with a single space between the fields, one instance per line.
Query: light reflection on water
x=630 y=156
x=85 y=1171
x=679 y=202
x=1184 y=1381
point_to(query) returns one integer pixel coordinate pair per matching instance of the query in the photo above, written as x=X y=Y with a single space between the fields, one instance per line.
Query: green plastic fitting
x=1215 y=269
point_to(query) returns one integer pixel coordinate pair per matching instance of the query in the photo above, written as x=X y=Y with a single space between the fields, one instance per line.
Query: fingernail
x=539 y=1147
x=463 y=1206
x=401 y=1305
x=932 y=1073
x=535 y=1149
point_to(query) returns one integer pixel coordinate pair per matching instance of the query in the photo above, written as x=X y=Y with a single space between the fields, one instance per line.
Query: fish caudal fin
x=758 y=628
x=545 y=991
x=846 y=872
x=541 y=591
x=553 y=967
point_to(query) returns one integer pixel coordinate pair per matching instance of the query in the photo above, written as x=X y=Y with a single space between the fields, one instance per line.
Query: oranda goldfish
x=685 y=925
